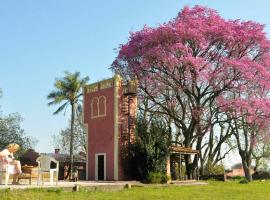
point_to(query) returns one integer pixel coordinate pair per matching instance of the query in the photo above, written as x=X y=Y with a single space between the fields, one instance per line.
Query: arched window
x=94 y=108
x=98 y=107
x=102 y=106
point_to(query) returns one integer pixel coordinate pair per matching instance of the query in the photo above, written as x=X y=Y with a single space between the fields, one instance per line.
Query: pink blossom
x=228 y=59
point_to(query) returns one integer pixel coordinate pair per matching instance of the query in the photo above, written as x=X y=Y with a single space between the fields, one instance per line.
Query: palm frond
x=61 y=108
x=68 y=88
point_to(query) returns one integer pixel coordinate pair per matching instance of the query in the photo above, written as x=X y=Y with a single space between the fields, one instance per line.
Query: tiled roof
x=180 y=149
x=65 y=157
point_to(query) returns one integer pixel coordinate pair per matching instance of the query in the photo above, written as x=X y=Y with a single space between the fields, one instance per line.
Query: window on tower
x=94 y=108
x=102 y=106
x=98 y=107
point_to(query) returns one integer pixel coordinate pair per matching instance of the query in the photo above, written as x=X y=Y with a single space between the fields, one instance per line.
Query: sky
x=39 y=40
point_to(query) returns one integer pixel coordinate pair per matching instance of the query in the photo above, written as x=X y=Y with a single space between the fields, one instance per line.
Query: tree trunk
x=188 y=166
x=71 y=156
x=248 y=174
x=246 y=166
x=187 y=158
x=192 y=165
x=201 y=170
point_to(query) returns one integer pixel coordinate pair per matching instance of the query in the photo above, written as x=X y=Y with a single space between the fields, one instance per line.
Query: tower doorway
x=100 y=167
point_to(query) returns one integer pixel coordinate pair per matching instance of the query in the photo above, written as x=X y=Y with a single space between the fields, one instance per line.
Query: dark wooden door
x=101 y=168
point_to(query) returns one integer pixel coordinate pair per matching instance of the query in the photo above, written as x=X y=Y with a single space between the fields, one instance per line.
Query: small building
x=110 y=108
x=237 y=170
x=64 y=161
x=30 y=156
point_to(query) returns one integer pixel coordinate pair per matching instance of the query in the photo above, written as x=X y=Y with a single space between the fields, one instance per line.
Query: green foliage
x=177 y=174
x=155 y=140
x=261 y=155
x=261 y=175
x=237 y=178
x=55 y=190
x=68 y=90
x=11 y=132
x=151 y=148
x=157 y=178
x=210 y=169
x=244 y=181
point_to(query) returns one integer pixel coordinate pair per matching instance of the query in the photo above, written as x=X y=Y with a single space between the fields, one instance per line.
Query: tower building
x=110 y=108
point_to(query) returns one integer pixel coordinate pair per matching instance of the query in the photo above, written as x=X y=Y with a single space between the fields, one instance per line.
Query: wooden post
x=173 y=170
x=168 y=166
x=180 y=166
x=197 y=171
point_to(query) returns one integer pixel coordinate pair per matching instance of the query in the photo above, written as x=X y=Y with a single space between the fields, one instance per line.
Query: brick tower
x=110 y=108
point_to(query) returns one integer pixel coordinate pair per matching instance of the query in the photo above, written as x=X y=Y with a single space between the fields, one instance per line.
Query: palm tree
x=68 y=92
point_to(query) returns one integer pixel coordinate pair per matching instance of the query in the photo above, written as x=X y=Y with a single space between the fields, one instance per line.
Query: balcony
x=130 y=88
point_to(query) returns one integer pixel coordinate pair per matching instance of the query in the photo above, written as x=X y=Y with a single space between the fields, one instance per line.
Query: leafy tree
x=217 y=143
x=185 y=65
x=151 y=149
x=62 y=140
x=261 y=156
x=11 y=132
x=250 y=116
x=68 y=92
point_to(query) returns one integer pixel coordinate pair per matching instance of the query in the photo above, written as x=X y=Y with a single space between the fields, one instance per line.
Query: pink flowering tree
x=185 y=65
x=249 y=114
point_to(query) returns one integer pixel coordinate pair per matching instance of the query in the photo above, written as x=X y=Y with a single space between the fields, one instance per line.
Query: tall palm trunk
x=71 y=156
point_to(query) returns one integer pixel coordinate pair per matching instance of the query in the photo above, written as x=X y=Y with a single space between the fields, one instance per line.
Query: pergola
x=176 y=158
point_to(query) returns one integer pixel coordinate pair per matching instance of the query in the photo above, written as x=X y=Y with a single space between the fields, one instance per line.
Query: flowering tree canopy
x=198 y=61
x=198 y=54
x=197 y=49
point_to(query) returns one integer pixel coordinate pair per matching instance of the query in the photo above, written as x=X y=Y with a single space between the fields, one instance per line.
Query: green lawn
x=215 y=190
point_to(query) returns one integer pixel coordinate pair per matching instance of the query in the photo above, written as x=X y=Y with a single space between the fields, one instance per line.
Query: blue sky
x=41 y=39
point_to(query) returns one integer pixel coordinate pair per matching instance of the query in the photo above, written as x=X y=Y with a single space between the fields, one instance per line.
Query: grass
x=215 y=190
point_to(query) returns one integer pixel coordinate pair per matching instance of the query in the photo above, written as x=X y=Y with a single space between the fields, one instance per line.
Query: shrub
x=244 y=181
x=55 y=190
x=237 y=178
x=262 y=175
x=157 y=178
x=166 y=178
x=219 y=177
x=210 y=169
x=150 y=150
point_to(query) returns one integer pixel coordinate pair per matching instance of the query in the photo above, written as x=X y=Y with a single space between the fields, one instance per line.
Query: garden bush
x=236 y=178
x=244 y=181
x=210 y=169
x=262 y=175
x=157 y=178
